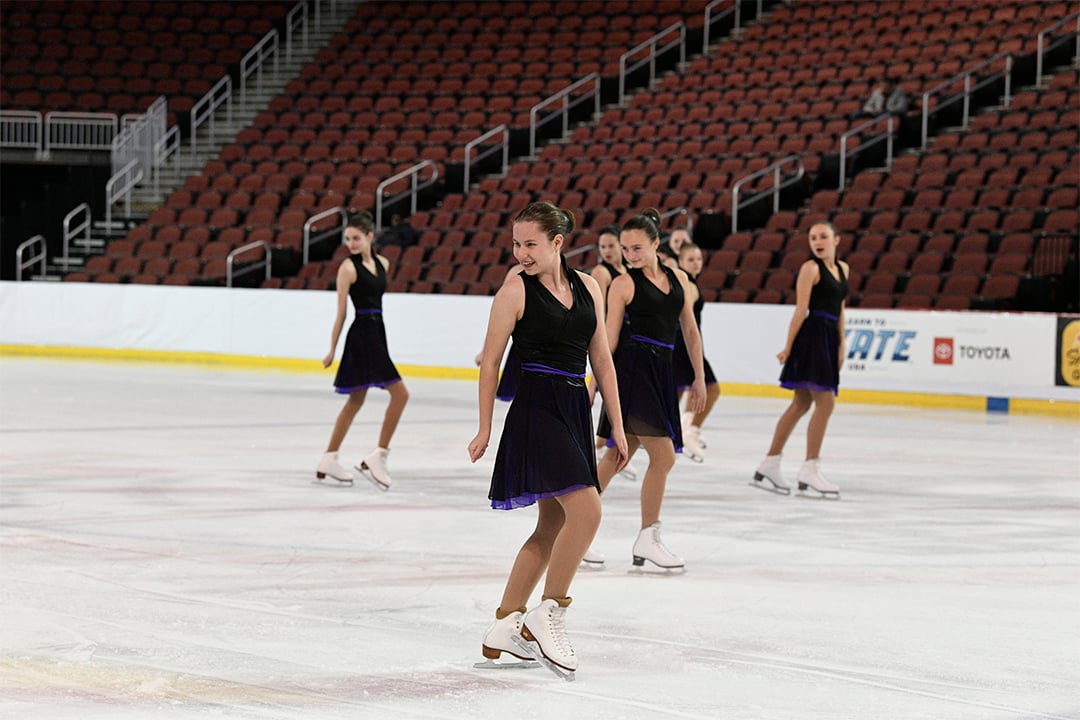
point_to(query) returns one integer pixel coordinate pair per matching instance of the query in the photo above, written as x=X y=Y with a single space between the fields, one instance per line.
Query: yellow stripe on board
x=1058 y=408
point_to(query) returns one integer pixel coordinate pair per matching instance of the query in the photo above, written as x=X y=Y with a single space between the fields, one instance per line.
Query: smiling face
x=609 y=249
x=532 y=248
x=357 y=240
x=638 y=249
x=691 y=260
x=823 y=242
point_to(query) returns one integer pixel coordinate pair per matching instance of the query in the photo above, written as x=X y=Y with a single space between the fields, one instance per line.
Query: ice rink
x=166 y=554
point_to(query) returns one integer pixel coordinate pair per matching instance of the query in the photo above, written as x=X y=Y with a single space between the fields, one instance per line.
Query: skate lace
x=557 y=630
x=660 y=543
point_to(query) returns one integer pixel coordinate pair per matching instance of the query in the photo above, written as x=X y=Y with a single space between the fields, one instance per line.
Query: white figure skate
x=649 y=546
x=769 y=478
x=500 y=639
x=810 y=477
x=593 y=559
x=543 y=636
x=692 y=447
x=329 y=465
x=373 y=467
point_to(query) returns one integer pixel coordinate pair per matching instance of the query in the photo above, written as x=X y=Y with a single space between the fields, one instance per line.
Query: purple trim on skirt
x=530 y=498
x=807 y=385
x=383 y=384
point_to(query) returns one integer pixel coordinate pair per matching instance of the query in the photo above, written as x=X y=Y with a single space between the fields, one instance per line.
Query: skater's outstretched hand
x=478 y=446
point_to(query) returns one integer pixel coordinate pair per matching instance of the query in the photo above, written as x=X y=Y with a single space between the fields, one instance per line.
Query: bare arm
x=602 y=277
x=346 y=276
x=841 y=352
x=619 y=295
x=604 y=371
x=692 y=338
x=506 y=309
x=808 y=277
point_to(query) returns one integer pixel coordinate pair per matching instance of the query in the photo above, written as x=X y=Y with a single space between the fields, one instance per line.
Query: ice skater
x=812 y=359
x=508 y=378
x=691 y=261
x=652 y=298
x=365 y=360
x=545 y=455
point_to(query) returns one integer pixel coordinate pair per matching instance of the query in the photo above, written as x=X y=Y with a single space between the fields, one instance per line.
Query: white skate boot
x=543 y=635
x=810 y=477
x=649 y=546
x=692 y=447
x=500 y=638
x=629 y=472
x=768 y=476
x=593 y=559
x=374 y=469
x=329 y=465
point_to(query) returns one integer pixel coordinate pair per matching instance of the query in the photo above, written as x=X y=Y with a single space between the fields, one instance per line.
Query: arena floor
x=165 y=553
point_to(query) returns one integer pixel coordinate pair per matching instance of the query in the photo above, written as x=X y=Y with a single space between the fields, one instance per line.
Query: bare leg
x=582 y=511
x=800 y=404
x=399 y=395
x=345 y=419
x=661 y=459
x=824 y=402
x=533 y=557
x=605 y=469
x=712 y=394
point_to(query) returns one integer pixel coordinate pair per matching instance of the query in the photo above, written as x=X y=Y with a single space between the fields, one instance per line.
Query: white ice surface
x=164 y=553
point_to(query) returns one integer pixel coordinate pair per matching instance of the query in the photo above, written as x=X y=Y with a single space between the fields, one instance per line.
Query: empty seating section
x=782 y=87
x=407 y=82
x=120 y=55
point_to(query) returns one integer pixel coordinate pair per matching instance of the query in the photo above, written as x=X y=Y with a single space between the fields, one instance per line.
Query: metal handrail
x=292 y=23
x=679 y=211
x=886 y=136
x=21 y=265
x=480 y=156
x=203 y=111
x=965 y=96
x=774 y=169
x=82 y=227
x=168 y=145
x=94 y=131
x=651 y=43
x=563 y=95
x=309 y=238
x=119 y=186
x=1041 y=41
x=581 y=250
x=255 y=59
x=231 y=258
x=413 y=190
x=736 y=8
x=22 y=129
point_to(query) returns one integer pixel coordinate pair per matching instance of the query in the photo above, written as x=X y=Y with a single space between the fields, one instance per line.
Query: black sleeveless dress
x=546 y=448
x=643 y=362
x=682 y=368
x=813 y=363
x=365 y=361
